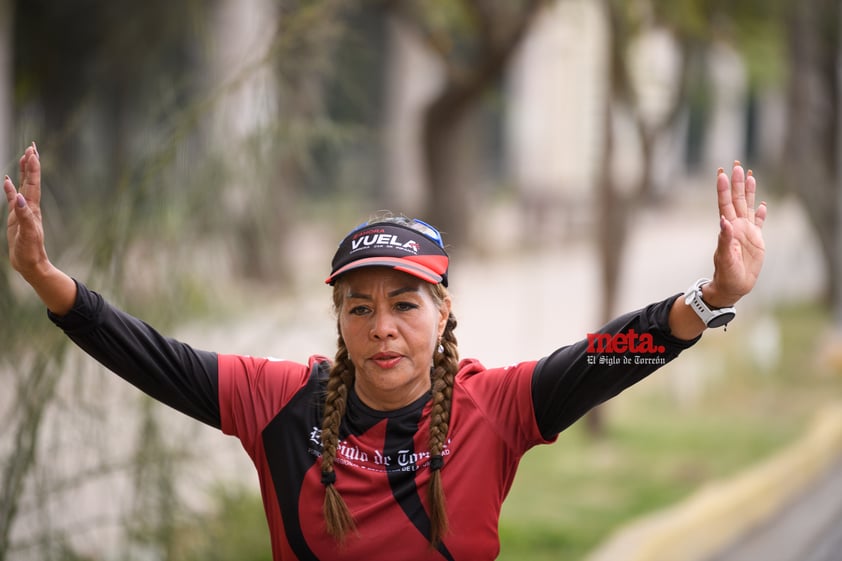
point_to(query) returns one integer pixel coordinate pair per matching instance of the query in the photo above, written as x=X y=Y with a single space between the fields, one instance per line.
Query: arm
x=574 y=379
x=25 y=233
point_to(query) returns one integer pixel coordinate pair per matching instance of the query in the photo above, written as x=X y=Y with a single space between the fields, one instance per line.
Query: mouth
x=386 y=359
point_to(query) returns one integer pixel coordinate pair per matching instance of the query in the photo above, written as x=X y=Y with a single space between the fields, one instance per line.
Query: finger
x=30 y=175
x=726 y=234
x=723 y=196
x=11 y=192
x=751 y=190
x=738 y=189
x=760 y=215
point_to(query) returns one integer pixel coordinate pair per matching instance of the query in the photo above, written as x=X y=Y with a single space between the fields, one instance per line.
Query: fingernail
x=37 y=155
x=737 y=163
x=719 y=171
x=750 y=173
x=21 y=201
x=8 y=178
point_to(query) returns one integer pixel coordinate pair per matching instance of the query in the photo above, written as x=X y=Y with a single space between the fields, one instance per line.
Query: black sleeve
x=170 y=371
x=576 y=378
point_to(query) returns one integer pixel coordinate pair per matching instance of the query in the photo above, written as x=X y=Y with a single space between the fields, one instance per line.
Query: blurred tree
x=6 y=85
x=812 y=149
x=279 y=118
x=474 y=40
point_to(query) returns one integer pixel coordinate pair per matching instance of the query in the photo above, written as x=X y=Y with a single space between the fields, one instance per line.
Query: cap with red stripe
x=390 y=244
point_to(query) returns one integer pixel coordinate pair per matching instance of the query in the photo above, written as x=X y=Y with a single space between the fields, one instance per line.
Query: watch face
x=721 y=320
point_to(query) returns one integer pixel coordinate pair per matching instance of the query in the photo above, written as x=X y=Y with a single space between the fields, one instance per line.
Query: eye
x=405 y=306
x=358 y=310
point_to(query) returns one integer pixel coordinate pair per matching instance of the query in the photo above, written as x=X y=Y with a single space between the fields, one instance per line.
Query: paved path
x=808 y=529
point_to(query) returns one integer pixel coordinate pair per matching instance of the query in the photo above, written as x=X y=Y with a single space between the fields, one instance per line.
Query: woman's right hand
x=25 y=232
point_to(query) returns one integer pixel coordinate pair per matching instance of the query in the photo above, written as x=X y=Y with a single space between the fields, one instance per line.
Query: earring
x=440 y=348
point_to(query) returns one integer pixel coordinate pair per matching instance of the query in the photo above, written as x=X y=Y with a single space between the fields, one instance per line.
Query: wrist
x=39 y=273
x=56 y=289
x=714 y=298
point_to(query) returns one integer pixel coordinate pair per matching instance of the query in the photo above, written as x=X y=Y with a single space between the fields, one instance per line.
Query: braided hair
x=338 y=519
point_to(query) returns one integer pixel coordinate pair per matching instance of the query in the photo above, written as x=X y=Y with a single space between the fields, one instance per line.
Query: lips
x=386 y=359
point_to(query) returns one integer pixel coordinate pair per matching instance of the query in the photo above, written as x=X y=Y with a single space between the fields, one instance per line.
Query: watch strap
x=712 y=317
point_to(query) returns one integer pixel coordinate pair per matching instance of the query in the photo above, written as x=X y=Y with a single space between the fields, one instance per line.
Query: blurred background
x=201 y=159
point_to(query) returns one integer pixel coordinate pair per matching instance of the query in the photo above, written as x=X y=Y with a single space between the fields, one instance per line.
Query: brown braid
x=444 y=371
x=338 y=517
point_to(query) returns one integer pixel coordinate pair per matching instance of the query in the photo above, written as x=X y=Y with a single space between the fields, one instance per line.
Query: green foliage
x=234 y=529
x=754 y=27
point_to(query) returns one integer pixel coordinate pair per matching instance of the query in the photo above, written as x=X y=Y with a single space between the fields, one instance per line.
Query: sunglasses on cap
x=430 y=232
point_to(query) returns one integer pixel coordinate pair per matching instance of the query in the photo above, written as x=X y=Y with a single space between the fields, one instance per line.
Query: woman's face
x=391 y=325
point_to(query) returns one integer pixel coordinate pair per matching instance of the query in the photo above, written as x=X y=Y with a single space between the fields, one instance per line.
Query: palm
x=740 y=251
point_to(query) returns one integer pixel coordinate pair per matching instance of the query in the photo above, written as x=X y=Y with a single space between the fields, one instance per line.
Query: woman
x=394 y=449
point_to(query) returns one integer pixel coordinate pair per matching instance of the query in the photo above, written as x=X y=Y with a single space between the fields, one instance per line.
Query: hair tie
x=328 y=478
x=436 y=462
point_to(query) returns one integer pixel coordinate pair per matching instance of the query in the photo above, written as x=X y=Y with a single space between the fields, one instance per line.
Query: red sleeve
x=253 y=390
x=505 y=397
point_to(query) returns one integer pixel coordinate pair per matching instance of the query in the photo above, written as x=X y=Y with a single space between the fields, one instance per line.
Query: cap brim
x=404 y=265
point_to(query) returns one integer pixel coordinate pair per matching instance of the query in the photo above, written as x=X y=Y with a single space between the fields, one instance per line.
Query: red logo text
x=631 y=342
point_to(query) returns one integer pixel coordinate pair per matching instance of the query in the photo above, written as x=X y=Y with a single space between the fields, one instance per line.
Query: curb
x=703 y=524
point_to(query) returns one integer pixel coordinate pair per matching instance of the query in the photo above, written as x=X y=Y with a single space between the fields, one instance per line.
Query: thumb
x=722 y=255
x=26 y=218
x=726 y=234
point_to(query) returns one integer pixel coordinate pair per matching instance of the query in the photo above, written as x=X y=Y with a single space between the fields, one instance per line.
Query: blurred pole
x=6 y=45
x=836 y=291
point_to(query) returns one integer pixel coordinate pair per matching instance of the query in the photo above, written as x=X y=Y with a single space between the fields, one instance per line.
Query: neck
x=390 y=400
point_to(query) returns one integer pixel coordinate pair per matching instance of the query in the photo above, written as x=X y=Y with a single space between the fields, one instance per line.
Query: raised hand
x=25 y=232
x=740 y=249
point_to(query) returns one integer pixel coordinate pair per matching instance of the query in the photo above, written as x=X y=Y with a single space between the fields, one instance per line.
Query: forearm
x=578 y=377
x=55 y=288
x=166 y=369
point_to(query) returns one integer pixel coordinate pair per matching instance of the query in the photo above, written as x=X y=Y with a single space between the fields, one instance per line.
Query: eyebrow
x=398 y=292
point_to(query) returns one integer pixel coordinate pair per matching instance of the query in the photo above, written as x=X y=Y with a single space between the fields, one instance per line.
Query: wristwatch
x=716 y=317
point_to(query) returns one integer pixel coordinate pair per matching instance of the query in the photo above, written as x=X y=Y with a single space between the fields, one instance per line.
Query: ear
x=444 y=314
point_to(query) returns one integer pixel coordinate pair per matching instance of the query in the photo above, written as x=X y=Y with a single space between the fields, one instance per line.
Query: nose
x=383 y=326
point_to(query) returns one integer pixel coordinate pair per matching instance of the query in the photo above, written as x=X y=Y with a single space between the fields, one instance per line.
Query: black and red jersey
x=275 y=408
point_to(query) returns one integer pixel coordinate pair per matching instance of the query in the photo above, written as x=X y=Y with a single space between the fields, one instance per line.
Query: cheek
x=348 y=335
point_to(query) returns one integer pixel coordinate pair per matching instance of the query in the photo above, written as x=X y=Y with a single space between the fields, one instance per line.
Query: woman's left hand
x=740 y=249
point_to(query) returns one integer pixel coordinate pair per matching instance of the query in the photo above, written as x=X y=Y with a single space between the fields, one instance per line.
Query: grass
x=720 y=408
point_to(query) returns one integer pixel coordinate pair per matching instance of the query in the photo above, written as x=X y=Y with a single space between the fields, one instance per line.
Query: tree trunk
x=6 y=73
x=812 y=134
x=450 y=165
x=447 y=143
